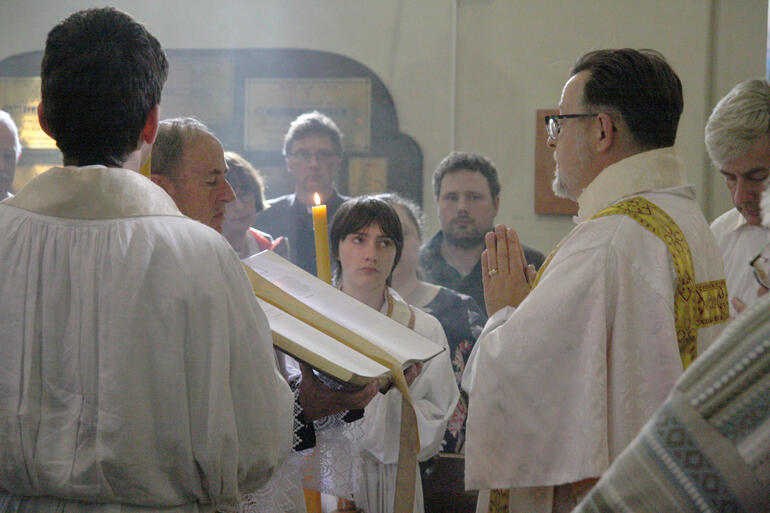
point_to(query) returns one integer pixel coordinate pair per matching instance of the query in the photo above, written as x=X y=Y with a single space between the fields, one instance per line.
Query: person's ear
x=150 y=130
x=607 y=135
x=41 y=119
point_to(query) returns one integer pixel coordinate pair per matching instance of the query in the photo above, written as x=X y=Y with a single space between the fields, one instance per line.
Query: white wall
x=741 y=25
x=513 y=57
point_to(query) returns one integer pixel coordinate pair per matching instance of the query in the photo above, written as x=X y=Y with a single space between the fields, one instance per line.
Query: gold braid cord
x=696 y=305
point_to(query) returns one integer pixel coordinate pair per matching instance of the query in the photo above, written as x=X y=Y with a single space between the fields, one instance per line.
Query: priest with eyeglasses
x=573 y=362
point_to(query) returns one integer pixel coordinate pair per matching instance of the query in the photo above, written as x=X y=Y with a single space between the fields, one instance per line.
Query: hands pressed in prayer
x=505 y=273
x=318 y=401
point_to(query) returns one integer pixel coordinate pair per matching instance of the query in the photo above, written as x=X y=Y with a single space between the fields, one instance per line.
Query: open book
x=318 y=347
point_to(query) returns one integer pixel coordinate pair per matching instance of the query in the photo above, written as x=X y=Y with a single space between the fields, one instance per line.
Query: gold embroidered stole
x=406 y=474
x=400 y=311
x=696 y=305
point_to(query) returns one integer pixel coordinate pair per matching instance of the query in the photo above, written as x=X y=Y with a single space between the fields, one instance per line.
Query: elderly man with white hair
x=188 y=162
x=738 y=141
x=10 y=152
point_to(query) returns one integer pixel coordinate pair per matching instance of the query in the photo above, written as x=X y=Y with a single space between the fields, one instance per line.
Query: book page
x=320 y=350
x=403 y=344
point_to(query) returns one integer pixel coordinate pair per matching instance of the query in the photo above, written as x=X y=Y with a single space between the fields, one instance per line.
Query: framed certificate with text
x=272 y=103
x=200 y=86
x=367 y=175
x=19 y=97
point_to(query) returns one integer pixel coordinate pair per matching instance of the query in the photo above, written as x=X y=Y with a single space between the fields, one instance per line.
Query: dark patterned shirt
x=462 y=320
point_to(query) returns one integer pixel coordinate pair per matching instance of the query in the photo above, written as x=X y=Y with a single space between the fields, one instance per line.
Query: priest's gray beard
x=561 y=186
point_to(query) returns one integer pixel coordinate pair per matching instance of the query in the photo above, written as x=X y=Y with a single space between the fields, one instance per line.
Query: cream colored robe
x=136 y=368
x=562 y=384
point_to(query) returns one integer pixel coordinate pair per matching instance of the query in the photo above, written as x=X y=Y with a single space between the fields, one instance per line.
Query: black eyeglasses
x=760 y=264
x=553 y=123
x=305 y=156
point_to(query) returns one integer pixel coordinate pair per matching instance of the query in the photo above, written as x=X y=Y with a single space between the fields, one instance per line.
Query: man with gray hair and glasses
x=738 y=142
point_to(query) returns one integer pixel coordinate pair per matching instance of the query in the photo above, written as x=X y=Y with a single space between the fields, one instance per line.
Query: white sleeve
x=497 y=319
x=241 y=407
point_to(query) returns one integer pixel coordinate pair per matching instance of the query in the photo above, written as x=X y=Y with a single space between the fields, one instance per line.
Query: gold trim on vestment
x=696 y=305
x=499 y=501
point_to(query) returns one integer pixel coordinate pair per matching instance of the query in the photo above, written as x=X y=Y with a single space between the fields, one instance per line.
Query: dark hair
x=358 y=213
x=459 y=160
x=102 y=73
x=640 y=85
x=245 y=179
x=174 y=135
x=311 y=123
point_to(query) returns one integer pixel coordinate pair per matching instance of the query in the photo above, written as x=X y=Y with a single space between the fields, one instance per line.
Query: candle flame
x=317 y=198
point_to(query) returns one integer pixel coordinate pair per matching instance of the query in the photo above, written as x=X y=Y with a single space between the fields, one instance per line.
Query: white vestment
x=136 y=367
x=739 y=243
x=707 y=449
x=360 y=458
x=560 y=385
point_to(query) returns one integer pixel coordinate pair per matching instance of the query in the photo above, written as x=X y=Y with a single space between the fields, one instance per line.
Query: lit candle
x=323 y=266
x=324 y=272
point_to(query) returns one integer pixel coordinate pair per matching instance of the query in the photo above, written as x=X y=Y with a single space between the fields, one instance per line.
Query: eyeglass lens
x=553 y=128
x=305 y=156
x=761 y=268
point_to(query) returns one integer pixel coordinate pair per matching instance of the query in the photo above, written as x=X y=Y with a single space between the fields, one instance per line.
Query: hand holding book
x=318 y=401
